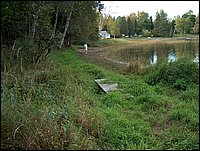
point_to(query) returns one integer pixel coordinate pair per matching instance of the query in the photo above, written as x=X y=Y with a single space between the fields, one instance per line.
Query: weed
x=57 y=105
x=179 y=74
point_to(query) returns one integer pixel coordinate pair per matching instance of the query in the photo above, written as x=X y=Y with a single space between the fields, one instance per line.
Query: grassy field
x=58 y=105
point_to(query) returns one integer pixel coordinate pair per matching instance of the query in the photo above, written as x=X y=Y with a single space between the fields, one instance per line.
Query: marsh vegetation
x=58 y=105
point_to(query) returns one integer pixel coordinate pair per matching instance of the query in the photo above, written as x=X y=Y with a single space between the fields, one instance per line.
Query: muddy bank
x=98 y=55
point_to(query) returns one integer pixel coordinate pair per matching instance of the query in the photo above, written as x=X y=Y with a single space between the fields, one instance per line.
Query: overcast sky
x=172 y=8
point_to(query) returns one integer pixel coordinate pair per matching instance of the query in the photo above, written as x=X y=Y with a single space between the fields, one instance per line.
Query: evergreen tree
x=161 y=25
x=123 y=26
x=142 y=21
x=130 y=27
x=196 y=26
x=151 y=27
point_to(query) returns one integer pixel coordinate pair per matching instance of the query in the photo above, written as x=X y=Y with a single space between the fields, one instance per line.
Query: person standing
x=86 y=47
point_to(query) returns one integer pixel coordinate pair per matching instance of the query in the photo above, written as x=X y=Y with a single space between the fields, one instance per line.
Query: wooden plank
x=106 y=87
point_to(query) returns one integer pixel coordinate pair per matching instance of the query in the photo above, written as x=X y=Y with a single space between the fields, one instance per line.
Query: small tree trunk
x=33 y=29
x=28 y=24
x=55 y=24
x=69 y=42
x=1 y=38
x=66 y=28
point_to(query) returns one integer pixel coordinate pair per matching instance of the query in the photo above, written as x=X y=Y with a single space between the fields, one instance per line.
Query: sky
x=172 y=8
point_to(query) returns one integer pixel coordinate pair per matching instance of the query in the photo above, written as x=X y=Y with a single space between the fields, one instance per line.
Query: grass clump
x=179 y=74
x=60 y=106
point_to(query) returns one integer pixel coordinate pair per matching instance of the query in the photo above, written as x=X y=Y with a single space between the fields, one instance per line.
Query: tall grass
x=180 y=74
x=59 y=106
x=37 y=111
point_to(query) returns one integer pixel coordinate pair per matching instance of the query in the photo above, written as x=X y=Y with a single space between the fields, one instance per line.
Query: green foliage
x=122 y=133
x=183 y=25
x=143 y=22
x=179 y=74
x=32 y=31
x=92 y=71
x=180 y=141
x=190 y=94
x=138 y=88
x=113 y=99
x=58 y=106
x=123 y=26
x=149 y=102
x=196 y=25
x=146 y=33
x=186 y=116
x=191 y=17
x=83 y=24
x=130 y=27
x=112 y=26
x=161 y=25
x=134 y=67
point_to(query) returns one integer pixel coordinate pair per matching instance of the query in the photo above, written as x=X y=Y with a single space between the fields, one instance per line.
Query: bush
x=189 y=94
x=136 y=67
x=146 y=33
x=179 y=74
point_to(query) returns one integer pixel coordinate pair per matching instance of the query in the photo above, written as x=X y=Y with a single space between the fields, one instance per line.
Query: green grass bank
x=58 y=105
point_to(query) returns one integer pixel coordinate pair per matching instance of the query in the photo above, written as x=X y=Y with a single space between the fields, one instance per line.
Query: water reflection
x=150 y=54
x=154 y=58
x=172 y=56
x=196 y=59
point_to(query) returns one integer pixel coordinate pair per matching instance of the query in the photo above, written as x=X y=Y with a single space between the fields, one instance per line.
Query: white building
x=104 y=34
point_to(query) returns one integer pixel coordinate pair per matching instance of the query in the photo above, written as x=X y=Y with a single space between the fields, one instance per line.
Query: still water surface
x=150 y=54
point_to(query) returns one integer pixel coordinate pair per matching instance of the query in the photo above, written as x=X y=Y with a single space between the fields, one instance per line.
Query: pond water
x=150 y=53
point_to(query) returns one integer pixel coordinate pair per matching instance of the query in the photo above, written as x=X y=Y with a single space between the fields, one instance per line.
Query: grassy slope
x=62 y=108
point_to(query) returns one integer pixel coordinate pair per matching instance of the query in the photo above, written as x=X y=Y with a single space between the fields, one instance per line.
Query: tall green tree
x=31 y=29
x=134 y=23
x=123 y=26
x=142 y=21
x=150 y=26
x=70 y=8
x=26 y=27
x=182 y=25
x=191 y=17
x=172 y=27
x=161 y=25
x=113 y=26
x=196 y=26
x=130 y=27
x=84 y=24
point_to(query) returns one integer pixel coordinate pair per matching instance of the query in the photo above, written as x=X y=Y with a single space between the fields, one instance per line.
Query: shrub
x=179 y=74
x=136 y=67
x=146 y=33
x=190 y=94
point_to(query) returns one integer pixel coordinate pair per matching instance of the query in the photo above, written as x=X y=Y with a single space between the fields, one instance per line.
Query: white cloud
x=172 y=8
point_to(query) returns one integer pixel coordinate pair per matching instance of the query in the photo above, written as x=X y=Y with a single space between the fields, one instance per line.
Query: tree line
x=30 y=30
x=143 y=24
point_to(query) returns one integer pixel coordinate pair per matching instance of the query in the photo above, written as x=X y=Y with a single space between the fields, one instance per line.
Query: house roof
x=104 y=32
